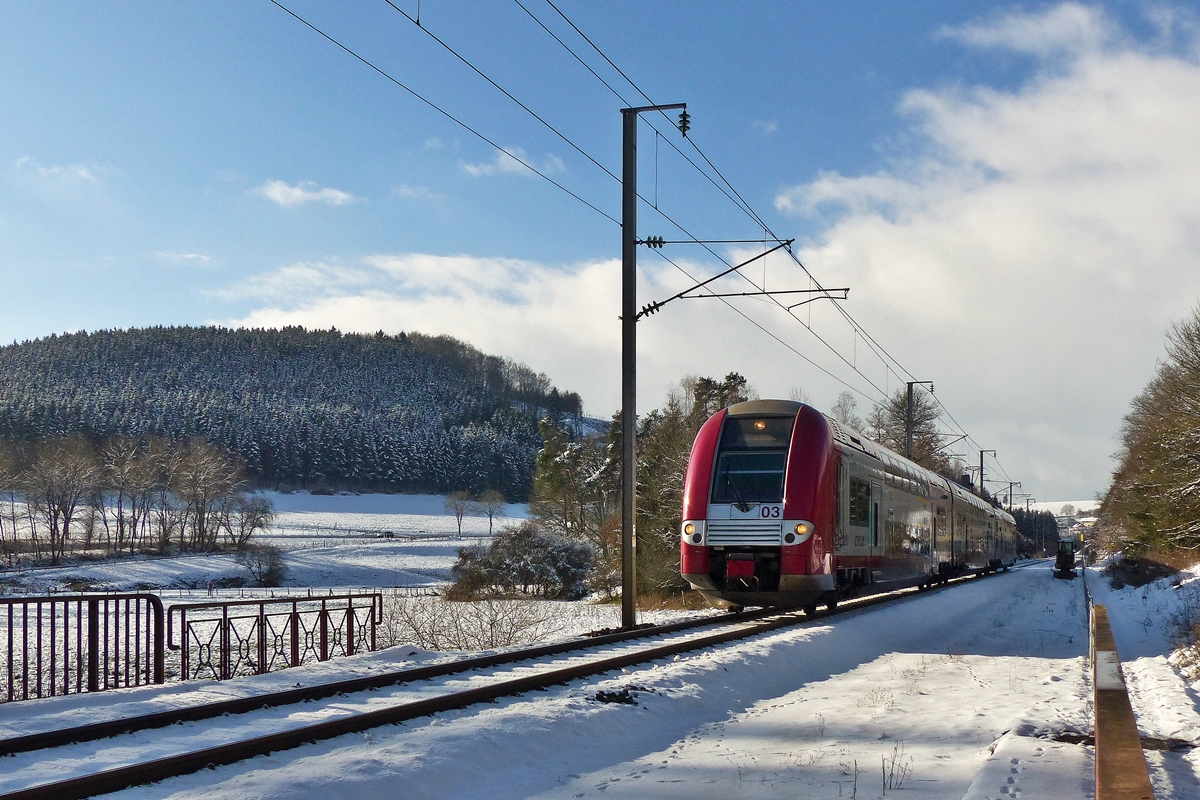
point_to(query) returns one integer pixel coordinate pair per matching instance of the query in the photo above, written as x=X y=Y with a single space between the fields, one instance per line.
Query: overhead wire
x=728 y=190
x=441 y=110
x=562 y=136
x=502 y=90
x=736 y=196
x=731 y=192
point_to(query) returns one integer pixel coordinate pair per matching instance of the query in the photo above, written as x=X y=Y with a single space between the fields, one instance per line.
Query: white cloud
x=28 y=167
x=286 y=195
x=1068 y=27
x=508 y=161
x=563 y=320
x=1036 y=247
x=765 y=127
x=418 y=193
x=194 y=259
x=296 y=283
x=1027 y=255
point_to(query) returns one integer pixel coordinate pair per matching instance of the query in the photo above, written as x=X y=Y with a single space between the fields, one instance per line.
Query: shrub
x=523 y=560
x=265 y=564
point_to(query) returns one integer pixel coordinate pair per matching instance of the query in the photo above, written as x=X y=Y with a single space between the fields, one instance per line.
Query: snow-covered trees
x=300 y=408
x=123 y=496
x=577 y=483
x=525 y=560
x=1154 y=500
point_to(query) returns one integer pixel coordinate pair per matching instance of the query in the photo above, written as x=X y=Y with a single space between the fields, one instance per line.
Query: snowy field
x=315 y=520
x=330 y=541
x=957 y=693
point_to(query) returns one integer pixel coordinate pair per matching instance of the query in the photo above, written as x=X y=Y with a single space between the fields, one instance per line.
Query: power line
x=739 y=201
x=617 y=94
x=442 y=111
x=502 y=90
x=873 y=344
x=746 y=317
x=562 y=136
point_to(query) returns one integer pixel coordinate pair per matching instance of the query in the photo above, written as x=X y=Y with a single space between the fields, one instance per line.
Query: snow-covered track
x=115 y=778
x=242 y=705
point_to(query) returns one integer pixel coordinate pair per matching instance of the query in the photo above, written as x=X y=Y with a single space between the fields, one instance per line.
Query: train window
x=752 y=460
x=860 y=503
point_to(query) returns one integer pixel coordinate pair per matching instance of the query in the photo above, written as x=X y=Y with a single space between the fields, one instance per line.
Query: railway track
x=284 y=720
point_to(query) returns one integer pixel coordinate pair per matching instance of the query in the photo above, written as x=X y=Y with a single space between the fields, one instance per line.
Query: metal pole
x=629 y=120
x=981 y=452
x=629 y=199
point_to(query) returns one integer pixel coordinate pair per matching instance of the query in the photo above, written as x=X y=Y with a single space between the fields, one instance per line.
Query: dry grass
x=1141 y=571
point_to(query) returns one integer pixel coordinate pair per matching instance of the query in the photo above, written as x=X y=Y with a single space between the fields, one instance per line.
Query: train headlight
x=689 y=529
x=797 y=532
x=693 y=532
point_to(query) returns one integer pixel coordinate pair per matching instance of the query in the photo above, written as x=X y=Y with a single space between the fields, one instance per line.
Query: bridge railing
x=222 y=640
x=66 y=644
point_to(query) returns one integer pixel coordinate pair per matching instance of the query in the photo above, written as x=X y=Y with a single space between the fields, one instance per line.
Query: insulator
x=685 y=122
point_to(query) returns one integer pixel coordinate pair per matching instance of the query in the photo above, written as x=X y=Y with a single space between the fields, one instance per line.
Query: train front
x=759 y=506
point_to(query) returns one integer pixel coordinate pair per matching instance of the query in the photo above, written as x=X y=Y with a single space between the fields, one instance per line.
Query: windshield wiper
x=740 y=504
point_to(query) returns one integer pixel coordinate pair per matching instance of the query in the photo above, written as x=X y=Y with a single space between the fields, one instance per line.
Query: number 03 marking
x=771 y=512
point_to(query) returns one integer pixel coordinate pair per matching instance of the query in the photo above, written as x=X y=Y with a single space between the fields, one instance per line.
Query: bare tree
x=265 y=564
x=164 y=463
x=845 y=411
x=242 y=517
x=58 y=480
x=457 y=504
x=489 y=504
x=9 y=480
x=120 y=458
x=205 y=474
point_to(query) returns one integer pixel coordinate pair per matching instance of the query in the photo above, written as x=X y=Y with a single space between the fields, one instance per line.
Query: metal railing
x=63 y=644
x=222 y=640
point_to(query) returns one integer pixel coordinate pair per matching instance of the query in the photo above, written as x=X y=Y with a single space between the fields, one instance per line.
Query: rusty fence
x=66 y=644
x=222 y=640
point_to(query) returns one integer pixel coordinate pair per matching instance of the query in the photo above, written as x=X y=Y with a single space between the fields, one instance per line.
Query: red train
x=782 y=506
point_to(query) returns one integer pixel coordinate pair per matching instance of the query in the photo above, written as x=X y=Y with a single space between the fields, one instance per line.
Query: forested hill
x=302 y=408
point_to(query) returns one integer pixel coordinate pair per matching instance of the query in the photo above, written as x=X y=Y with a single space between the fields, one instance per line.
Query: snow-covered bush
x=523 y=560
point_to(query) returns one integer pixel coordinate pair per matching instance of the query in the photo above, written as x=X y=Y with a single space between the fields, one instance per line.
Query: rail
x=159 y=768
x=217 y=641
x=64 y=644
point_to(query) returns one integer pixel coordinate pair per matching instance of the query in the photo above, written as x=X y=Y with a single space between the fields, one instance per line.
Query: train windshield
x=752 y=460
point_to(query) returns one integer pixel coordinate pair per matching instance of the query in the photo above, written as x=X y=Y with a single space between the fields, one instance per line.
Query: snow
x=957 y=693
x=1055 y=506
x=330 y=541
x=933 y=682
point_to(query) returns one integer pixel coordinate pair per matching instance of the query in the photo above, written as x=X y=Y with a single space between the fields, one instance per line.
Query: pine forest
x=315 y=409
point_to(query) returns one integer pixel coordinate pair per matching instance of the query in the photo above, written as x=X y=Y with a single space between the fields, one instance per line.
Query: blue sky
x=998 y=185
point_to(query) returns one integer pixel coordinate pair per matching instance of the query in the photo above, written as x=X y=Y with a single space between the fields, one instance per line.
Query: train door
x=955 y=533
x=876 y=500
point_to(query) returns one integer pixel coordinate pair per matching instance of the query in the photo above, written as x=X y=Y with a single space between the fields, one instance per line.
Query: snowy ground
x=956 y=692
x=331 y=541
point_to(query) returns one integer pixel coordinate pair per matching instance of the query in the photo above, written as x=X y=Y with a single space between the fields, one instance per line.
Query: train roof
x=897 y=464
x=851 y=438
